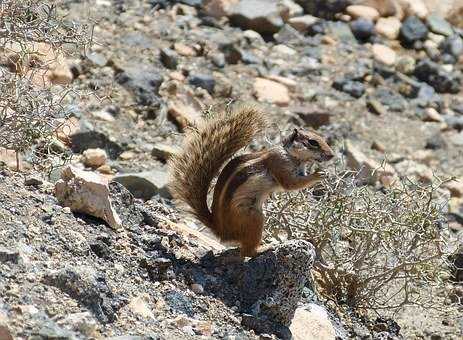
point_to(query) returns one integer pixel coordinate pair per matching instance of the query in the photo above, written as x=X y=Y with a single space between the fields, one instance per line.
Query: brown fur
x=246 y=181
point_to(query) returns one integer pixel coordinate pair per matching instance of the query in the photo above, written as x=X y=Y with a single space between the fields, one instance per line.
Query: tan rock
x=183 y=115
x=431 y=115
x=384 y=54
x=5 y=333
x=139 y=305
x=218 y=8
x=385 y=8
x=271 y=91
x=86 y=192
x=94 y=157
x=283 y=49
x=414 y=7
x=288 y=82
x=302 y=23
x=184 y=50
x=312 y=324
x=388 y=27
x=163 y=151
x=365 y=12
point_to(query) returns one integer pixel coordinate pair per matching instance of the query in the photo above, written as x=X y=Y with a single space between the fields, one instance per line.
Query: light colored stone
x=163 y=151
x=312 y=324
x=388 y=27
x=183 y=115
x=368 y=168
x=218 y=8
x=94 y=157
x=386 y=8
x=86 y=192
x=184 y=50
x=436 y=38
x=283 y=49
x=197 y=288
x=294 y=9
x=365 y=12
x=302 y=23
x=139 y=305
x=431 y=115
x=414 y=7
x=384 y=54
x=288 y=82
x=271 y=91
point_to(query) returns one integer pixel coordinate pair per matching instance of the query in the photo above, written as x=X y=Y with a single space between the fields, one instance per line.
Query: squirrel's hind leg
x=251 y=232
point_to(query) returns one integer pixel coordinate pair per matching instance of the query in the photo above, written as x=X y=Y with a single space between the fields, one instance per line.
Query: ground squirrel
x=247 y=180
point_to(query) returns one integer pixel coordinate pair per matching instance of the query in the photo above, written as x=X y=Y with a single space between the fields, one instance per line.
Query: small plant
x=380 y=247
x=33 y=37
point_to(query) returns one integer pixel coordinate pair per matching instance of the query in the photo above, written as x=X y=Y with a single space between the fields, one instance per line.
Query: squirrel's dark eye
x=312 y=143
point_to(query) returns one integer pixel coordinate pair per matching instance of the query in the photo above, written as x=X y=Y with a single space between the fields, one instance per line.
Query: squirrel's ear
x=290 y=139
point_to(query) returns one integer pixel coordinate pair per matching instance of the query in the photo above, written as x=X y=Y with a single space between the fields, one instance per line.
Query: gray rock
x=218 y=59
x=390 y=99
x=263 y=16
x=9 y=255
x=341 y=31
x=439 y=25
x=413 y=29
x=312 y=116
x=91 y=139
x=355 y=88
x=204 y=81
x=272 y=283
x=433 y=74
x=146 y=184
x=453 y=45
x=288 y=35
x=455 y=122
x=169 y=58
x=87 y=286
x=457 y=139
x=51 y=331
x=362 y=29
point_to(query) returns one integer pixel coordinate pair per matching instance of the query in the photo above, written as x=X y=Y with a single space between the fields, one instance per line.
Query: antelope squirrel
x=247 y=180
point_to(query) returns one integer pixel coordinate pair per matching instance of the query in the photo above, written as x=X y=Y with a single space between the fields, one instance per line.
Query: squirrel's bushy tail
x=205 y=150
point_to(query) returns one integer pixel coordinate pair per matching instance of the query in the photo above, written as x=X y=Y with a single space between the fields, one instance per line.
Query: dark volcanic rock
x=84 y=140
x=204 y=81
x=324 y=8
x=433 y=74
x=413 y=29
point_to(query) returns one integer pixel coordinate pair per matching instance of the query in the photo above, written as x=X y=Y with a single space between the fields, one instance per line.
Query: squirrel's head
x=308 y=146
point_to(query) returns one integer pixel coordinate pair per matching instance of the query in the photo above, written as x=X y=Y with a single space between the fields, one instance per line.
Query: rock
x=283 y=49
x=415 y=8
x=34 y=180
x=412 y=30
x=271 y=91
x=87 y=286
x=355 y=88
x=376 y=107
x=341 y=31
x=439 y=25
x=312 y=323
x=83 y=322
x=431 y=115
x=385 y=8
x=83 y=140
x=263 y=16
x=454 y=122
x=388 y=27
x=406 y=65
x=313 y=116
x=218 y=59
x=9 y=255
x=139 y=306
x=50 y=330
x=163 y=151
x=416 y=170
x=183 y=115
x=324 y=8
x=94 y=158
x=433 y=74
x=369 y=170
x=145 y=184
x=197 y=288
x=384 y=54
x=272 y=283
x=362 y=28
x=390 y=99
x=288 y=82
x=169 y=58
x=453 y=45
x=455 y=187
x=218 y=8
x=302 y=23
x=184 y=50
x=204 y=81
x=294 y=10
x=364 y=12
x=88 y=193
x=143 y=82
x=5 y=333
x=457 y=139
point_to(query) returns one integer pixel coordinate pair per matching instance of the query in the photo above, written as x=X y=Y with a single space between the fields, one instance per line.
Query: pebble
x=362 y=28
x=145 y=184
x=388 y=27
x=406 y=65
x=169 y=58
x=283 y=49
x=163 y=151
x=271 y=91
x=303 y=23
x=204 y=81
x=364 y=12
x=384 y=54
x=442 y=81
x=197 y=288
x=439 y=25
x=431 y=115
x=94 y=158
x=184 y=50
x=376 y=107
x=453 y=45
x=455 y=187
x=413 y=29
x=263 y=16
x=355 y=88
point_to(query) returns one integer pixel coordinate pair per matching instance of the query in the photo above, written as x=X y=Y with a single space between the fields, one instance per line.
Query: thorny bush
x=378 y=247
x=33 y=37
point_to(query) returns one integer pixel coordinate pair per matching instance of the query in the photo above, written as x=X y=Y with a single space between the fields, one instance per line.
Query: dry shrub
x=33 y=40
x=381 y=247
